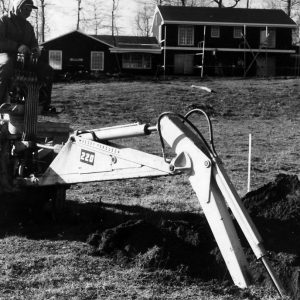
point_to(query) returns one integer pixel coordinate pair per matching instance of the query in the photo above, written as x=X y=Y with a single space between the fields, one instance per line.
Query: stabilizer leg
x=181 y=140
x=222 y=227
x=245 y=222
x=215 y=193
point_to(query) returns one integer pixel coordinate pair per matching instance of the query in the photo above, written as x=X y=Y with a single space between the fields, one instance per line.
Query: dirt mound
x=190 y=246
x=171 y=244
x=278 y=200
x=275 y=209
x=132 y=237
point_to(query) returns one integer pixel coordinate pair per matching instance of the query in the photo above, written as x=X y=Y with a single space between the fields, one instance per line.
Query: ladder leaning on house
x=262 y=46
x=201 y=46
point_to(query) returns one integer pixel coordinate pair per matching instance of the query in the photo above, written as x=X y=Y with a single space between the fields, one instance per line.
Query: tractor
x=46 y=158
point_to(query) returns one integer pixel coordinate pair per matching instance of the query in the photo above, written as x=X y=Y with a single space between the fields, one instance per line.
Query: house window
x=186 y=35
x=55 y=59
x=136 y=61
x=97 y=61
x=215 y=31
x=268 y=38
x=238 y=32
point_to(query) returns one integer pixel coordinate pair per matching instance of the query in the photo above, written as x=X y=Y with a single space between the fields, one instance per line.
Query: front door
x=266 y=66
x=183 y=64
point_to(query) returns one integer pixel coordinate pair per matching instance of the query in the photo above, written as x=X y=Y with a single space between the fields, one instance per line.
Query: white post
x=165 y=51
x=203 y=51
x=249 y=163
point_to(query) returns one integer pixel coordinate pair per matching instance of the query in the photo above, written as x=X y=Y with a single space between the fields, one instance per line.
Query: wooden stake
x=249 y=163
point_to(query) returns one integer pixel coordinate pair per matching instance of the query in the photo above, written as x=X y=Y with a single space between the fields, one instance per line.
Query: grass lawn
x=42 y=258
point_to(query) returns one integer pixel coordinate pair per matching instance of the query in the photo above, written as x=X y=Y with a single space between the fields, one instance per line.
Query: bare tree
x=143 y=19
x=272 y=4
x=220 y=4
x=42 y=5
x=79 y=8
x=168 y=2
x=93 y=16
x=39 y=20
x=5 y=6
x=114 y=28
x=97 y=18
x=291 y=7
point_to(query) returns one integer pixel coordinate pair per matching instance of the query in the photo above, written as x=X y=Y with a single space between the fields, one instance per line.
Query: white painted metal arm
x=82 y=160
x=182 y=140
x=216 y=193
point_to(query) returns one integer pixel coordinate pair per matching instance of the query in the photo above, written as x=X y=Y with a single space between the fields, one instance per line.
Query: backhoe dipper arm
x=216 y=193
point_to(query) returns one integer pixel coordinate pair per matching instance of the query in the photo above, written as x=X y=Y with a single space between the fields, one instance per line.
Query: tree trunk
x=78 y=14
x=43 y=20
x=289 y=7
x=4 y=6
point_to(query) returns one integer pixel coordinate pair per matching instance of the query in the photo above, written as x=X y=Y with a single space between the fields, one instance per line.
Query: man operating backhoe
x=17 y=37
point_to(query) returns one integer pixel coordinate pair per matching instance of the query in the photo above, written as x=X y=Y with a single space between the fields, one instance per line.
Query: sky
x=62 y=15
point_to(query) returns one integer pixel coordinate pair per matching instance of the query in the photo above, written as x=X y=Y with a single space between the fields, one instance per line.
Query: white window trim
x=91 y=67
x=193 y=35
x=218 y=32
x=60 y=53
x=237 y=32
x=159 y=34
x=138 y=68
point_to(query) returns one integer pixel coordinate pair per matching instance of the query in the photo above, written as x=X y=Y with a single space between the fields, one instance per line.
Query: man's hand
x=36 y=52
x=23 y=49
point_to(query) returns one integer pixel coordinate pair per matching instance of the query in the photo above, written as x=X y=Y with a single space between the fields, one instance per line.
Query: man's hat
x=29 y=3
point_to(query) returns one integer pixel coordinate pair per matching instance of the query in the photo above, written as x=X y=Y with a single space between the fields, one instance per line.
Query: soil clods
x=189 y=246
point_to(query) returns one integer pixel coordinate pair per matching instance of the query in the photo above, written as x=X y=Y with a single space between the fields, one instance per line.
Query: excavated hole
x=190 y=247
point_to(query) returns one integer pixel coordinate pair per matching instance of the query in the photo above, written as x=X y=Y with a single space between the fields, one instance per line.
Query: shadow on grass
x=35 y=219
x=183 y=240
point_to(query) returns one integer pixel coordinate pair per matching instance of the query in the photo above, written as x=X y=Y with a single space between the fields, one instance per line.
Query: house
x=185 y=40
x=77 y=52
x=224 y=41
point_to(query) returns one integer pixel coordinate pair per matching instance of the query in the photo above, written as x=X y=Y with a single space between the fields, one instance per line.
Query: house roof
x=215 y=15
x=72 y=32
x=121 y=44
x=122 y=41
x=126 y=44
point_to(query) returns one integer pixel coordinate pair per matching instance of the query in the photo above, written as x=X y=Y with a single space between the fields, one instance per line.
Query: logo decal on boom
x=87 y=157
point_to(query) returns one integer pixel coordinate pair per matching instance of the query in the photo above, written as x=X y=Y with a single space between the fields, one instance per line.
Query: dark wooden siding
x=198 y=34
x=227 y=63
x=155 y=63
x=283 y=38
x=253 y=37
x=76 y=45
x=172 y=35
x=227 y=40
